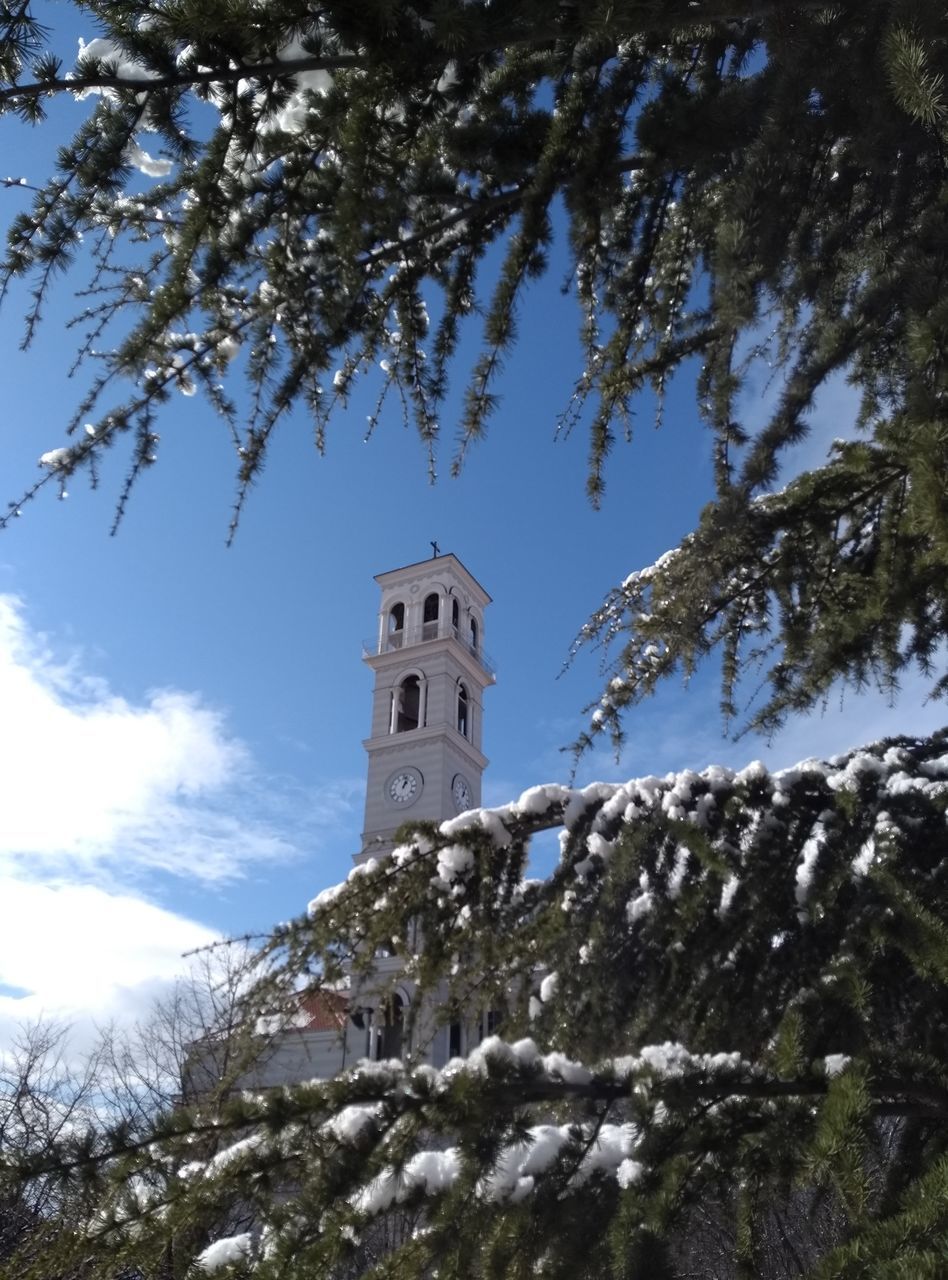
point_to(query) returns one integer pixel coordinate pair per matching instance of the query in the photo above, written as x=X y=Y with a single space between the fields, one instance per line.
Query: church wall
x=296 y=1056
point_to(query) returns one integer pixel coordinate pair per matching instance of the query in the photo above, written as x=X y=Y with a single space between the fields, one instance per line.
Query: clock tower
x=431 y=670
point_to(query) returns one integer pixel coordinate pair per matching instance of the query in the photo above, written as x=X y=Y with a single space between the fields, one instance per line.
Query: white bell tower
x=431 y=670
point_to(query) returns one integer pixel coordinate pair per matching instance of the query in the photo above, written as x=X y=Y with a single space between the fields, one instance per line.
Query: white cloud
x=102 y=798
x=78 y=948
x=88 y=780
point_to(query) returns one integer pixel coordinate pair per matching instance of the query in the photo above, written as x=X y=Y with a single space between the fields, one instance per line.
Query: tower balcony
x=408 y=637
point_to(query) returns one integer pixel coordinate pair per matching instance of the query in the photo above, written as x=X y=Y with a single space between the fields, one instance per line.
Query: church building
x=424 y=761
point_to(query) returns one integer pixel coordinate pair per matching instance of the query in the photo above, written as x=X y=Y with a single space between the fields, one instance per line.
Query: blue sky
x=182 y=722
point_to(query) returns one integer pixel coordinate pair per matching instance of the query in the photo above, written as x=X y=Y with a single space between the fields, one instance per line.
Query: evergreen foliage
x=724 y=1013
x=740 y=186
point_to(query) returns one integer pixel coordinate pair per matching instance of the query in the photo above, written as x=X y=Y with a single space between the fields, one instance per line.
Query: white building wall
x=295 y=1056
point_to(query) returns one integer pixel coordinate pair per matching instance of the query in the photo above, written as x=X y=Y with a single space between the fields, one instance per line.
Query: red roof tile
x=324 y=1010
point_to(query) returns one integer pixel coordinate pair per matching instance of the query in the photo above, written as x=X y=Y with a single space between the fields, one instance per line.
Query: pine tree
x=724 y=1025
x=724 y=1013
x=742 y=185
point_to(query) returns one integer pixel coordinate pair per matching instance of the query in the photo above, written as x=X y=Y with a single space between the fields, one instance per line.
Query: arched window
x=455 y=615
x=464 y=714
x=432 y=610
x=406 y=705
x=473 y=635
x=396 y=625
x=390 y=1033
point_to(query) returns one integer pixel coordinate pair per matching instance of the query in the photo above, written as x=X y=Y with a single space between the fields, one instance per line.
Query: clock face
x=461 y=792
x=405 y=786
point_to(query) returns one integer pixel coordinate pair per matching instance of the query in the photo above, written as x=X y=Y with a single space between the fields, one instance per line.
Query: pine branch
x=147 y=83
x=892 y=1096
x=733 y=11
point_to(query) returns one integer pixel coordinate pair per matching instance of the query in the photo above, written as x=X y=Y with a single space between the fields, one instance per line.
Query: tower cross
x=435 y=549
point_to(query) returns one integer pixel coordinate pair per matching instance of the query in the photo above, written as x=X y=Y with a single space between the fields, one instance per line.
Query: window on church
x=454 y=1040
x=396 y=625
x=455 y=615
x=473 y=635
x=406 y=711
x=432 y=610
x=463 y=711
x=390 y=1034
x=491 y=1023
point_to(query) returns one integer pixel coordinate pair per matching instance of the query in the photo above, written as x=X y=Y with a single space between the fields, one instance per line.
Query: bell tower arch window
x=473 y=635
x=408 y=710
x=455 y=616
x=396 y=625
x=430 y=616
x=464 y=712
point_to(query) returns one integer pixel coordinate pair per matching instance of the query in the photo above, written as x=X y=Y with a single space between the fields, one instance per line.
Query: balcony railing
x=427 y=632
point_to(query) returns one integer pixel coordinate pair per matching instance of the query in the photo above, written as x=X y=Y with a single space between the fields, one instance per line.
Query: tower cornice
x=401 y=745
x=393 y=657
x=426 y=567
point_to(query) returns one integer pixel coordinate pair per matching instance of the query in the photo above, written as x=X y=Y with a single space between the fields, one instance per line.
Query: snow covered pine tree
x=737 y=1059
x=723 y=1054
x=746 y=189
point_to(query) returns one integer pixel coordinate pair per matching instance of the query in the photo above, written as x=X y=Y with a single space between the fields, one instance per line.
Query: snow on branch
x=731 y=975
x=730 y=812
